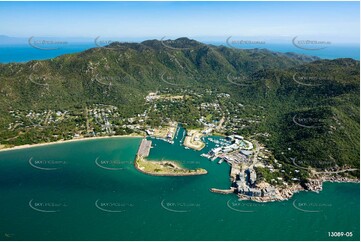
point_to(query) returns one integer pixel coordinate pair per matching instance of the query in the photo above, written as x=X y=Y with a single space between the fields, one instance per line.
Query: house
x=251 y=176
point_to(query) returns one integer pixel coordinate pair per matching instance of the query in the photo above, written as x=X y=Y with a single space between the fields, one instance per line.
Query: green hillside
x=309 y=107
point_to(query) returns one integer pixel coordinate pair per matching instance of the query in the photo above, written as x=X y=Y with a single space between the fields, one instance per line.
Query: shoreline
x=172 y=174
x=20 y=147
x=287 y=193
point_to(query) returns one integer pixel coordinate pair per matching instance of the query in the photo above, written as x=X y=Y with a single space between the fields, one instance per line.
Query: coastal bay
x=166 y=207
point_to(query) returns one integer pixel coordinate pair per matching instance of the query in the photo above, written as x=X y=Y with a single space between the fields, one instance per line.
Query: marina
x=141 y=196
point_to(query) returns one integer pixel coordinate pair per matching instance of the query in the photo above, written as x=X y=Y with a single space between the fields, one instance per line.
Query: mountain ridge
x=122 y=74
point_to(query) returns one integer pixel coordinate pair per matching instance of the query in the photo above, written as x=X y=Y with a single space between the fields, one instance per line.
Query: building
x=238 y=137
x=251 y=176
x=246 y=152
x=207 y=131
x=227 y=149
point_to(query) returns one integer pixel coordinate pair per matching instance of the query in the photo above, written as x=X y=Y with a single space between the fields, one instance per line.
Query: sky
x=332 y=21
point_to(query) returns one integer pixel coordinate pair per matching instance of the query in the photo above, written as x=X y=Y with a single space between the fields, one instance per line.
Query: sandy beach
x=2 y=149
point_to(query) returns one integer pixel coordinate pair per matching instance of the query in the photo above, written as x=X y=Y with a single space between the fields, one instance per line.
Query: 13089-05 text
x=340 y=234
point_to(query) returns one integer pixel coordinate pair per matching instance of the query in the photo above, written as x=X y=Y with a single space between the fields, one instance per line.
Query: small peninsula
x=164 y=168
x=161 y=168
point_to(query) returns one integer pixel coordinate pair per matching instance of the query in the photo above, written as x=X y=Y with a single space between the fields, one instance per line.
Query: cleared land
x=193 y=140
x=164 y=168
x=164 y=131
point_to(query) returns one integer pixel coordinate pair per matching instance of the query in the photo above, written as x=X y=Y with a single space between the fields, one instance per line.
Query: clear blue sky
x=335 y=21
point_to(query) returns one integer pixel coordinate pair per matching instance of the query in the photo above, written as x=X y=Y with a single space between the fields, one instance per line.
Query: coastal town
x=243 y=157
x=255 y=174
x=158 y=114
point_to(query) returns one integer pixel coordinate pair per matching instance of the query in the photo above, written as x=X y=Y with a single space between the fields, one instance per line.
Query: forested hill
x=133 y=69
x=310 y=106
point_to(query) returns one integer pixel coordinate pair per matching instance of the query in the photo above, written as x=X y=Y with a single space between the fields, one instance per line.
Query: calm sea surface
x=25 y=52
x=90 y=190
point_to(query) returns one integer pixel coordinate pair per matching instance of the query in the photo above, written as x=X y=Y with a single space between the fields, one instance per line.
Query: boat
x=205 y=155
x=176 y=135
x=220 y=161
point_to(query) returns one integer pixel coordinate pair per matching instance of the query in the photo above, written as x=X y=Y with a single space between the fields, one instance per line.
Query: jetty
x=144 y=148
x=223 y=191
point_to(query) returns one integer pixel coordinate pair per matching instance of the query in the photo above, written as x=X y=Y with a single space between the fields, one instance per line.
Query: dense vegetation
x=310 y=107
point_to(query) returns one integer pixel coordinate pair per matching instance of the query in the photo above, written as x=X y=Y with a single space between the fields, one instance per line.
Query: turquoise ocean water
x=25 y=52
x=90 y=190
